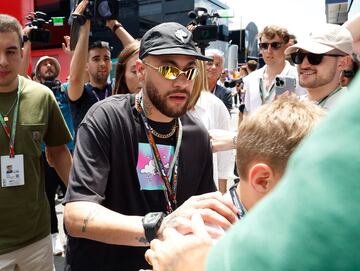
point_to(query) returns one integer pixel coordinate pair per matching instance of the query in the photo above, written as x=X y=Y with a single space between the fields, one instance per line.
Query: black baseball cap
x=169 y=39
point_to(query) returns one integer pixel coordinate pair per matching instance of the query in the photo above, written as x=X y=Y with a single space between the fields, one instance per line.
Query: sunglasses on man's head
x=275 y=45
x=171 y=72
x=313 y=59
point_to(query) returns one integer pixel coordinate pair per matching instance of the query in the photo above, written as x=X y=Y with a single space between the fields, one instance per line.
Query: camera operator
x=47 y=70
x=96 y=60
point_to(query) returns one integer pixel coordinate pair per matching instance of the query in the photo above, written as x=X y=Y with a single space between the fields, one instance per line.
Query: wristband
x=116 y=26
x=234 y=140
x=25 y=38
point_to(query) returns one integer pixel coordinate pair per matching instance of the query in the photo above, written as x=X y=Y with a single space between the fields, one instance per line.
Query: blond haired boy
x=265 y=141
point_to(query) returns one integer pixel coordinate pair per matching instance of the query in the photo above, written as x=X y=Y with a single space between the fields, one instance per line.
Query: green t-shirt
x=24 y=210
x=311 y=220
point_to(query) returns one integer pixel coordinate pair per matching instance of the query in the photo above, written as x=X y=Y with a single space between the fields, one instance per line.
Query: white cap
x=43 y=58
x=324 y=39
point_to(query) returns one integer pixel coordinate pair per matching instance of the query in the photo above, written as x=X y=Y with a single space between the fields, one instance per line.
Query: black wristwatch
x=81 y=19
x=151 y=223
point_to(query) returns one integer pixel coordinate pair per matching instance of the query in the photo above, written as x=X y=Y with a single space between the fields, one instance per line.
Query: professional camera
x=232 y=83
x=38 y=33
x=206 y=29
x=98 y=11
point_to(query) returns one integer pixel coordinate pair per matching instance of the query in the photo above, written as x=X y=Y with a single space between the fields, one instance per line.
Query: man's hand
x=27 y=29
x=180 y=252
x=66 y=46
x=215 y=210
x=222 y=140
x=110 y=23
x=80 y=8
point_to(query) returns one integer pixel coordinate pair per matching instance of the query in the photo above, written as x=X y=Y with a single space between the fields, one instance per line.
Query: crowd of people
x=144 y=162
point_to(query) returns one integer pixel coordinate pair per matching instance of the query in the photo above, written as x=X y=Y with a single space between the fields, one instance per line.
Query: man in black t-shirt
x=138 y=158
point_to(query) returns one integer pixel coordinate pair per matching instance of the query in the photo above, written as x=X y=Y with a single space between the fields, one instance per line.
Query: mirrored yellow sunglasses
x=171 y=72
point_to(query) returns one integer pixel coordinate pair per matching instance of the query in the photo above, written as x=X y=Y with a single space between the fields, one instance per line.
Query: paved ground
x=59 y=260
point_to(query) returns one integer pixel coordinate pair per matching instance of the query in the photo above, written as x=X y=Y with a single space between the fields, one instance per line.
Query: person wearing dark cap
x=320 y=60
x=139 y=162
x=96 y=60
x=47 y=70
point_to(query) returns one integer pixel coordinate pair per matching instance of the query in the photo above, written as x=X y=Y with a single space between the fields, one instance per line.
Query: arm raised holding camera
x=120 y=32
x=78 y=61
x=26 y=51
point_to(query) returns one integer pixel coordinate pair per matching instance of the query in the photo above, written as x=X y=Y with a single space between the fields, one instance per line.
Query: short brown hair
x=272 y=30
x=125 y=54
x=10 y=24
x=251 y=64
x=272 y=132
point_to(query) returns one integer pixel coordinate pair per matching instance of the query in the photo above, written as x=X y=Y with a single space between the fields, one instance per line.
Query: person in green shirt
x=29 y=115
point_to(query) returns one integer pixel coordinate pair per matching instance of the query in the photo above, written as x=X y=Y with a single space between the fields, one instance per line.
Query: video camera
x=206 y=29
x=98 y=11
x=232 y=83
x=38 y=33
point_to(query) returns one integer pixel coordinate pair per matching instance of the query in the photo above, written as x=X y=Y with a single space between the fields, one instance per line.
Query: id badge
x=12 y=170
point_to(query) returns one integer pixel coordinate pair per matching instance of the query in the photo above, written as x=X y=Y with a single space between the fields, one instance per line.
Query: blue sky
x=298 y=16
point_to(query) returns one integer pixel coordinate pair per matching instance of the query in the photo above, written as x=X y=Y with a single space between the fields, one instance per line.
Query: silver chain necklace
x=163 y=136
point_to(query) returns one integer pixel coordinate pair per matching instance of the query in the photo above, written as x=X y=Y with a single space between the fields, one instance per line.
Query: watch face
x=151 y=218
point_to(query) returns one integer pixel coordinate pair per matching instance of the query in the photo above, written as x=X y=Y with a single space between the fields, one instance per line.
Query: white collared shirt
x=252 y=91
x=211 y=111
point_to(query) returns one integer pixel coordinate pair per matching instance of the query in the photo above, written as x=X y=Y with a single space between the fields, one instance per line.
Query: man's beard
x=49 y=77
x=159 y=101
x=100 y=78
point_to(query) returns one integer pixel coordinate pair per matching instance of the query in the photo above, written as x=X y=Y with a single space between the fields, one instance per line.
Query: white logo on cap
x=181 y=34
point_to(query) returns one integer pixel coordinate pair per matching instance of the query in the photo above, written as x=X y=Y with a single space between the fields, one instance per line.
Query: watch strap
x=151 y=228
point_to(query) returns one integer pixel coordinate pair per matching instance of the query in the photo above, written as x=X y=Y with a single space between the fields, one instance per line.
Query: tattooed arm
x=92 y=221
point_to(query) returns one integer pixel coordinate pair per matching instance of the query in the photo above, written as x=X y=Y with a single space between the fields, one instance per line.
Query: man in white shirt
x=260 y=85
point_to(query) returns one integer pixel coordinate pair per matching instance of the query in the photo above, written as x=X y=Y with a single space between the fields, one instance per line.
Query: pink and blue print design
x=148 y=174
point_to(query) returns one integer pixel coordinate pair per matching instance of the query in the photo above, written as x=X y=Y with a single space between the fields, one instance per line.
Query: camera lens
x=279 y=82
x=104 y=9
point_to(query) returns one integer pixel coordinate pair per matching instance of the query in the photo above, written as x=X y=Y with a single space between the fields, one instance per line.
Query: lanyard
x=265 y=98
x=11 y=133
x=97 y=96
x=236 y=201
x=169 y=190
x=322 y=102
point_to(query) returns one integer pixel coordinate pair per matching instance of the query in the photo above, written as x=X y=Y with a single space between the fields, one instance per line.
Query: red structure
x=54 y=8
